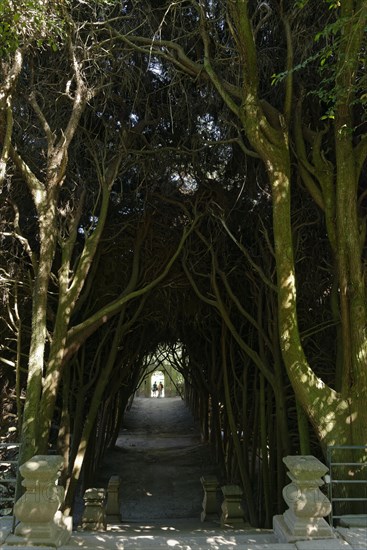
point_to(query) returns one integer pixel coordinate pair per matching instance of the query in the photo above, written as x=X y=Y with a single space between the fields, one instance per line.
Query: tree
x=62 y=221
x=236 y=36
x=202 y=113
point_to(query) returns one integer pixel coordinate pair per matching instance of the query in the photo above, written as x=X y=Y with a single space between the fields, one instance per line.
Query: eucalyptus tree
x=242 y=47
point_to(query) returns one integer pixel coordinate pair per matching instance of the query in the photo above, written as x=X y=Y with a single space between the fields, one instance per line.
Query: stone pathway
x=153 y=538
x=160 y=459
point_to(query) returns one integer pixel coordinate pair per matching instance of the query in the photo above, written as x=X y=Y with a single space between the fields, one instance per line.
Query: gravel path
x=160 y=459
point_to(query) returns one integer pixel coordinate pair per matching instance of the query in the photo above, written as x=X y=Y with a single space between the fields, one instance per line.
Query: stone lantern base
x=301 y=529
x=304 y=519
x=53 y=534
x=37 y=510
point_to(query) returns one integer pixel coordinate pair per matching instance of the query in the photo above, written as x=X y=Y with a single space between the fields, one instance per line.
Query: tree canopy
x=188 y=172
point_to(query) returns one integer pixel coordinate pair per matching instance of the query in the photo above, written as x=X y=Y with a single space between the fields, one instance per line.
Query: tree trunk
x=237 y=449
x=47 y=235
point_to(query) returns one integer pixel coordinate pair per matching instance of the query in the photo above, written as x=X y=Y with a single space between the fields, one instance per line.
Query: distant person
x=154 y=388
x=160 y=389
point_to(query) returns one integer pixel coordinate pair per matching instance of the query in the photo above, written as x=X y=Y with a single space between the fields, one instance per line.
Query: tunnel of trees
x=188 y=172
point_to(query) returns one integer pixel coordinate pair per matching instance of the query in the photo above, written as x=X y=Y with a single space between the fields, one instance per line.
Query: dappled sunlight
x=356 y=537
x=184 y=540
x=319 y=384
x=312 y=527
x=280 y=185
x=289 y=283
x=327 y=409
x=191 y=528
x=334 y=413
x=352 y=418
x=328 y=422
x=134 y=219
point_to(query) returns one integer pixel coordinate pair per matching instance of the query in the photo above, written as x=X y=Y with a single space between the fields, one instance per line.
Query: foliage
x=31 y=23
x=158 y=140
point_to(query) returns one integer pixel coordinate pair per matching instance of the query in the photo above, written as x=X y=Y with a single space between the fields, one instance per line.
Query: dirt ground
x=160 y=459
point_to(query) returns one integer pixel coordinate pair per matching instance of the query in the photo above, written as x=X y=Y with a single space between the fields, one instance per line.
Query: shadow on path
x=160 y=459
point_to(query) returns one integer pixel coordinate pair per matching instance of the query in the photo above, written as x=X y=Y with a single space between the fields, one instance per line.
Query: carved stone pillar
x=232 y=511
x=94 y=515
x=113 y=501
x=210 y=506
x=304 y=519
x=41 y=522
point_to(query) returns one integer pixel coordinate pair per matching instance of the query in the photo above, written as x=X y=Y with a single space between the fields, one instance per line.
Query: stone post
x=232 y=511
x=94 y=515
x=210 y=507
x=41 y=522
x=113 y=501
x=304 y=519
